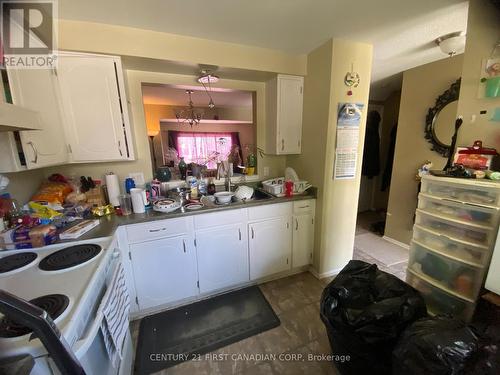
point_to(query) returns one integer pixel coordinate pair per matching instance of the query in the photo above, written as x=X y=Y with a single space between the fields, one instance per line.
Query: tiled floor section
x=295 y=300
x=365 y=219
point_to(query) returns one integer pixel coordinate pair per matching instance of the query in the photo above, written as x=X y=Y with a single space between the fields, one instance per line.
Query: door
x=270 y=247
x=222 y=255
x=303 y=240
x=164 y=271
x=290 y=101
x=37 y=89
x=91 y=102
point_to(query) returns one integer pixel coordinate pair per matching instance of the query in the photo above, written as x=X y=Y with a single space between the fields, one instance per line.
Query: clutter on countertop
x=476 y=162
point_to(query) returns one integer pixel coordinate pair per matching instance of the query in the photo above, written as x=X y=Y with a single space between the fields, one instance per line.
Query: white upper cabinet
x=284 y=102
x=37 y=89
x=95 y=108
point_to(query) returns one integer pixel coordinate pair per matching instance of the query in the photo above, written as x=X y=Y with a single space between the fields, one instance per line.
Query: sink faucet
x=227 y=172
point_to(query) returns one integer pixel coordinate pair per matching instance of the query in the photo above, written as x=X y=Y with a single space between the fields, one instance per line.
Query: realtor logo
x=28 y=33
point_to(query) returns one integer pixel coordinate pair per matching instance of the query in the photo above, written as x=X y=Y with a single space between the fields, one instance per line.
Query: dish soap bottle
x=182 y=168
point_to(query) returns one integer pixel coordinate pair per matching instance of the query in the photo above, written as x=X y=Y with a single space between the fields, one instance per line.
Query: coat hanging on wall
x=371 y=154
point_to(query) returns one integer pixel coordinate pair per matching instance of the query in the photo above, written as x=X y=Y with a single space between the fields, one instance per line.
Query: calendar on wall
x=347 y=140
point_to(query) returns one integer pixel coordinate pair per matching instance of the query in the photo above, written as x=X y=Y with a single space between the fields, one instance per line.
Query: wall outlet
x=266 y=171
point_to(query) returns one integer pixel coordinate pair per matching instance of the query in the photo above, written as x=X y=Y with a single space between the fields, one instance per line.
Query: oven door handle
x=83 y=345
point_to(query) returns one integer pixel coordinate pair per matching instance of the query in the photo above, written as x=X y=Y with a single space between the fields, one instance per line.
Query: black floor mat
x=174 y=336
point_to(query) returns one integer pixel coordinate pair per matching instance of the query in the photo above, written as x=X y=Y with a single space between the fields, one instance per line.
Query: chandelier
x=189 y=115
x=206 y=79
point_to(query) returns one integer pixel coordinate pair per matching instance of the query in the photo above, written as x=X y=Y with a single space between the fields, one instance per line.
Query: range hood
x=16 y=118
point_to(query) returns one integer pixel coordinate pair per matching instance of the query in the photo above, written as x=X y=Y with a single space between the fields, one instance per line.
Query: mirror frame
x=447 y=97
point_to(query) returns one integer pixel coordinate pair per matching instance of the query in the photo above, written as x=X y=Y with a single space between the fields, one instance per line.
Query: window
x=204 y=148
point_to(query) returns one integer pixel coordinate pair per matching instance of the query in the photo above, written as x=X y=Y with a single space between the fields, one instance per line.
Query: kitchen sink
x=260 y=195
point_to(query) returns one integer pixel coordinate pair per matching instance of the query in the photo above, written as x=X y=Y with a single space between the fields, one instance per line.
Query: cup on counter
x=138 y=202
x=125 y=204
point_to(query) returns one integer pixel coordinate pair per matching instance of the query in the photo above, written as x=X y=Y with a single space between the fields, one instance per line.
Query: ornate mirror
x=440 y=120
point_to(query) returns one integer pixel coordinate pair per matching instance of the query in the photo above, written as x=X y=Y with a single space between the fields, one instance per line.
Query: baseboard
x=330 y=273
x=396 y=242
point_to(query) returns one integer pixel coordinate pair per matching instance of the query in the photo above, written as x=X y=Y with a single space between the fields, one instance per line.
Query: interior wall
x=483 y=32
x=336 y=206
x=128 y=41
x=135 y=79
x=24 y=184
x=391 y=113
x=309 y=165
x=421 y=87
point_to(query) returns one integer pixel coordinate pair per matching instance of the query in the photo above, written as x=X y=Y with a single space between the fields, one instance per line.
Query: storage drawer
x=303 y=207
x=217 y=219
x=459 y=278
x=487 y=195
x=458 y=211
x=472 y=254
x=471 y=234
x=440 y=302
x=156 y=229
x=270 y=211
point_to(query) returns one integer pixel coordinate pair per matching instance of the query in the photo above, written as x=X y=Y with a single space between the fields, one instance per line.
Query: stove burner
x=69 y=257
x=15 y=261
x=53 y=304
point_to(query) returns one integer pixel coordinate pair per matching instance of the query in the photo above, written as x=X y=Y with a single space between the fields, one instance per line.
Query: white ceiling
x=176 y=96
x=401 y=31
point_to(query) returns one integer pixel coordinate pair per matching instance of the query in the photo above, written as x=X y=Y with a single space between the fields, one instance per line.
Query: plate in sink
x=193 y=206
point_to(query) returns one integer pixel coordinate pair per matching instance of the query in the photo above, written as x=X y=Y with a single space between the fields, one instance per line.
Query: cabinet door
x=37 y=89
x=164 y=271
x=91 y=103
x=303 y=240
x=270 y=247
x=222 y=255
x=290 y=101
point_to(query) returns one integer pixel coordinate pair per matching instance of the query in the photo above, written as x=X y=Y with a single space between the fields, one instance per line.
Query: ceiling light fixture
x=189 y=114
x=206 y=79
x=451 y=43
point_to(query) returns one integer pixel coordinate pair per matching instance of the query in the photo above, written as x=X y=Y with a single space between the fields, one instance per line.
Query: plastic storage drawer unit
x=453 y=275
x=478 y=193
x=438 y=301
x=472 y=254
x=458 y=211
x=471 y=233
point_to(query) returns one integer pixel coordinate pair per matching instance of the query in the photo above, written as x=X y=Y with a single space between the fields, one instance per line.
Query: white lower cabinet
x=164 y=271
x=269 y=247
x=174 y=259
x=303 y=240
x=222 y=255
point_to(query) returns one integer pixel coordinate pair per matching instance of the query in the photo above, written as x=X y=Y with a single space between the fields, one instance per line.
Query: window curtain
x=202 y=147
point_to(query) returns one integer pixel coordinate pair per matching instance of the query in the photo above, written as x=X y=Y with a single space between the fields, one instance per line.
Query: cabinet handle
x=239 y=233
x=296 y=224
x=157 y=230
x=286 y=260
x=253 y=234
x=35 y=152
x=304 y=207
x=120 y=148
x=184 y=245
x=287 y=225
x=282 y=144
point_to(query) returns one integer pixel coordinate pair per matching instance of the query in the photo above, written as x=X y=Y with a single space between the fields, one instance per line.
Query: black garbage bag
x=364 y=311
x=438 y=345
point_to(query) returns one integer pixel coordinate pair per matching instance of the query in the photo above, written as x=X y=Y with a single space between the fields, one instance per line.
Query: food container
x=223 y=197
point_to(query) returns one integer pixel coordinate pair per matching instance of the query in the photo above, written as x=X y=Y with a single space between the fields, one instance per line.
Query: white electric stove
x=68 y=281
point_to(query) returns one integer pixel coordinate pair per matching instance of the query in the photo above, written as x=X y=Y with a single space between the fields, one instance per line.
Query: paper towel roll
x=138 y=204
x=113 y=188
